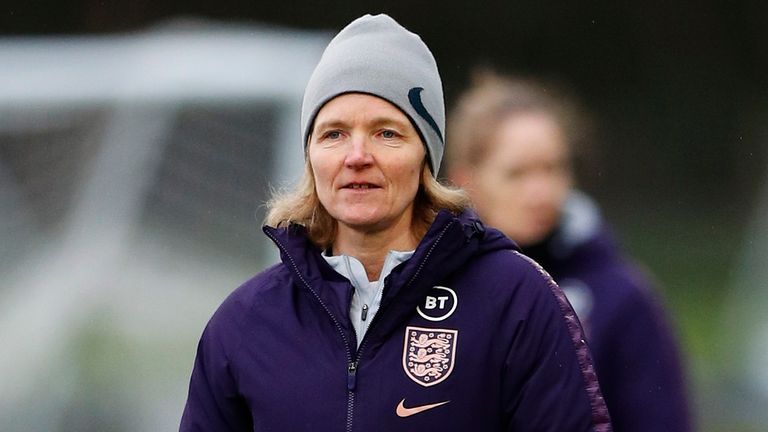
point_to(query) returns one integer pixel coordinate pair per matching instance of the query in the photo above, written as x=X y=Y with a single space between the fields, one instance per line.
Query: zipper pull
x=364 y=312
x=351 y=376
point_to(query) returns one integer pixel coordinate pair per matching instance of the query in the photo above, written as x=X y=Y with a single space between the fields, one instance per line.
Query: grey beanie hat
x=378 y=56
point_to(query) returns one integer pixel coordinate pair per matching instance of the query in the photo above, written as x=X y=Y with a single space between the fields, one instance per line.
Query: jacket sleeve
x=214 y=403
x=644 y=379
x=550 y=383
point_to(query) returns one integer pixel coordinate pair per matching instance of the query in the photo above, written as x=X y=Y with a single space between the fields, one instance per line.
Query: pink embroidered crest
x=429 y=354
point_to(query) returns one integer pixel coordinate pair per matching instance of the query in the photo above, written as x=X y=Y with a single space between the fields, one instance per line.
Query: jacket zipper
x=351 y=365
x=356 y=362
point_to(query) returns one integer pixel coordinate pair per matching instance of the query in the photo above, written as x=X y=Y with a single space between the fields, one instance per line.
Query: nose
x=359 y=155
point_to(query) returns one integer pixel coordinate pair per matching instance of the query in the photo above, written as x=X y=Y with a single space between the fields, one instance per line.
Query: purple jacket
x=635 y=352
x=471 y=335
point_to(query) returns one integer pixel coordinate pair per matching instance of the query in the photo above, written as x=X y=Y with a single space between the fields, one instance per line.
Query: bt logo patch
x=439 y=304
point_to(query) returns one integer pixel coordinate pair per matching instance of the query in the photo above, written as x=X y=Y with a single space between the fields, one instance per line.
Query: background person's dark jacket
x=633 y=347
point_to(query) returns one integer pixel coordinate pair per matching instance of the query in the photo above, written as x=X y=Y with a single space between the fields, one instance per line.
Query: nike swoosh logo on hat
x=402 y=411
x=414 y=97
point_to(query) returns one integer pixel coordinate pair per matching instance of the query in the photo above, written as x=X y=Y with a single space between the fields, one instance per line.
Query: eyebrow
x=328 y=125
x=376 y=121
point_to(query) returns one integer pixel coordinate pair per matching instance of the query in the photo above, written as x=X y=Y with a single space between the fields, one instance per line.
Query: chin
x=361 y=222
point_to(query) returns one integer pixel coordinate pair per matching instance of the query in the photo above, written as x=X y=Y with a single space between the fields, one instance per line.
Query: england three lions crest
x=429 y=354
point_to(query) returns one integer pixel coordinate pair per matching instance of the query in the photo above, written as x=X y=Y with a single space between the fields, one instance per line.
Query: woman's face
x=521 y=185
x=367 y=159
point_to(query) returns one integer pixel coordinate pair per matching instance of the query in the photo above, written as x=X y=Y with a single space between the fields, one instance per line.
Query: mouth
x=360 y=186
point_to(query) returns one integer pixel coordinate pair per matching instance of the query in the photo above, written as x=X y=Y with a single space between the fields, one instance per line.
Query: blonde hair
x=302 y=206
x=492 y=98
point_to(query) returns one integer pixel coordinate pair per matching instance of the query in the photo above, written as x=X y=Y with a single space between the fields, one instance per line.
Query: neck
x=371 y=248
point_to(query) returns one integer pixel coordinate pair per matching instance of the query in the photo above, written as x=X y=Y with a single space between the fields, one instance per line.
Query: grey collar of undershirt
x=367 y=294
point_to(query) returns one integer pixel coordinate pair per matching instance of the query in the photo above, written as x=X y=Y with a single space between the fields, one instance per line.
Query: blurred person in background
x=394 y=308
x=512 y=149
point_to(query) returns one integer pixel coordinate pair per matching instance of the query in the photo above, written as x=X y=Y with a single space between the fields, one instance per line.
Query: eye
x=332 y=135
x=389 y=134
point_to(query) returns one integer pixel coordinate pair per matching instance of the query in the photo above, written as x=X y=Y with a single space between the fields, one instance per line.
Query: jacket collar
x=580 y=241
x=449 y=243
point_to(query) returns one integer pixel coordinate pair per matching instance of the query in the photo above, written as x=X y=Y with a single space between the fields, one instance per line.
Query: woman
x=393 y=307
x=511 y=148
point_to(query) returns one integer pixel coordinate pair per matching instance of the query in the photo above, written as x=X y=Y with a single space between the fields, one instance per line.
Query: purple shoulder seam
x=600 y=417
